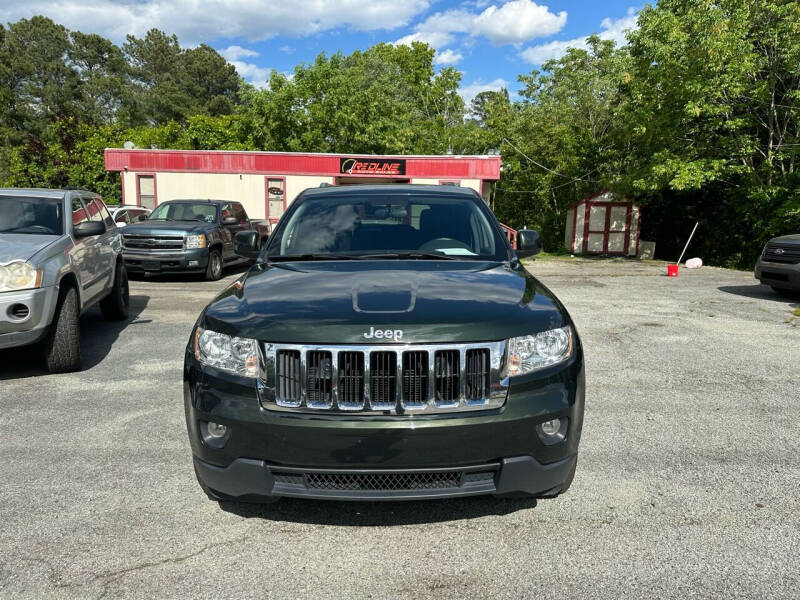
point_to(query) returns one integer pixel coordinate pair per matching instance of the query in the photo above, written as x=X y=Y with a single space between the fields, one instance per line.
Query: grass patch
x=796 y=312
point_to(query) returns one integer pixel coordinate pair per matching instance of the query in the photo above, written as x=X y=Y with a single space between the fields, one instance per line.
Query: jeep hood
x=430 y=301
x=22 y=246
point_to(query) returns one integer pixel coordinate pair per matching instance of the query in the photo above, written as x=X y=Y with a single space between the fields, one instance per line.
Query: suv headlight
x=19 y=275
x=533 y=352
x=232 y=354
x=196 y=241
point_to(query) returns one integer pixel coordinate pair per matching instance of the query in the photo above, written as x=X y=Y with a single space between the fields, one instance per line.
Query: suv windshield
x=20 y=214
x=185 y=211
x=388 y=226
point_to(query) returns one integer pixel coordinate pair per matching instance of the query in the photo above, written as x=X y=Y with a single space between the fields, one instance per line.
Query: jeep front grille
x=384 y=379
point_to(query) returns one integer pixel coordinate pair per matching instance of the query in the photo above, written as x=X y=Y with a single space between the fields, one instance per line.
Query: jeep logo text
x=388 y=334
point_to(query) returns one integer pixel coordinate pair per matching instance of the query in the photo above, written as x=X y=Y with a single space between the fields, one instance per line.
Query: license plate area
x=151 y=265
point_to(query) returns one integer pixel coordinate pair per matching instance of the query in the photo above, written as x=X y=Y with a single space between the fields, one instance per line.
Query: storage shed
x=601 y=224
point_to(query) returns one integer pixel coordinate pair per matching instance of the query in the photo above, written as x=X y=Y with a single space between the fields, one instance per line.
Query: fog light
x=194 y=263
x=215 y=435
x=217 y=430
x=553 y=431
x=551 y=427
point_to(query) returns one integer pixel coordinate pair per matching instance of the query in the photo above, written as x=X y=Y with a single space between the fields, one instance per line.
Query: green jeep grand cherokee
x=387 y=344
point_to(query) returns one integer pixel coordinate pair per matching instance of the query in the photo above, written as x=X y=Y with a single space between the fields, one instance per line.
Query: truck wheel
x=115 y=306
x=62 y=346
x=214 y=268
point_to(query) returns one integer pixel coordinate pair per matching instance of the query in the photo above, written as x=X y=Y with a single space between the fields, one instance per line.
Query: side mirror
x=230 y=221
x=88 y=229
x=247 y=244
x=529 y=243
x=141 y=218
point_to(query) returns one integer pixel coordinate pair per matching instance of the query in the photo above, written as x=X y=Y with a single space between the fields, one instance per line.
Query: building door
x=276 y=198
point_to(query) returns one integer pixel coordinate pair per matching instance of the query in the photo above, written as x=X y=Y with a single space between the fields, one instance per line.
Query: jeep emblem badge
x=384 y=334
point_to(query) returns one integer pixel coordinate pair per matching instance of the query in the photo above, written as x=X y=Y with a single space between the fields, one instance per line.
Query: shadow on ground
x=192 y=277
x=97 y=338
x=761 y=292
x=379 y=514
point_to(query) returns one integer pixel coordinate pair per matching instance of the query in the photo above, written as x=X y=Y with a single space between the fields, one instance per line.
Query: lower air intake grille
x=289 y=376
x=351 y=380
x=384 y=481
x=477 y=376
x=446 y=371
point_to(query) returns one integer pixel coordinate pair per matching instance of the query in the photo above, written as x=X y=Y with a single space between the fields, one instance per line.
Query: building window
x=146 y=192
x=450 y=182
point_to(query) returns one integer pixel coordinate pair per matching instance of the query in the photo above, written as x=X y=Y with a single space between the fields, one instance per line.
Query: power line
x=541 y=166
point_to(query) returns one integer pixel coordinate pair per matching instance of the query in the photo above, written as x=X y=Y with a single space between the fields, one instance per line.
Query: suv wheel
x=214 y=268
x=115 y=306
x=62 y=346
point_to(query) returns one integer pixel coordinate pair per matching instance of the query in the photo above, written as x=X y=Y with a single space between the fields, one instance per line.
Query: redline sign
x=368 y=166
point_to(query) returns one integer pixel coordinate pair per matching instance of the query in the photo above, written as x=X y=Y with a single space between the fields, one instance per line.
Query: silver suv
x=59 y=255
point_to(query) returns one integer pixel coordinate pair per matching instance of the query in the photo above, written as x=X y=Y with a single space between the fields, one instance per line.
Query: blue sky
x=490 y=42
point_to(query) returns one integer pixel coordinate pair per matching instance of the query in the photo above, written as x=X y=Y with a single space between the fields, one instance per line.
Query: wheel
x=115 y=306
x=62 y=346
x=214 y=268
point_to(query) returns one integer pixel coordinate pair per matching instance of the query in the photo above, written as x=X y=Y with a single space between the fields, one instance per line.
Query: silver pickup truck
x=60 y=253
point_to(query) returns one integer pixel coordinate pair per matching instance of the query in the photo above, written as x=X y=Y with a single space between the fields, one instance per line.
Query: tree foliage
x=696 y=118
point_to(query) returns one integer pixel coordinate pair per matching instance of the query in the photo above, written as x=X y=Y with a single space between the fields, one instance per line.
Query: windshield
x=388 y=226
x=42 y=216
x=185 y=211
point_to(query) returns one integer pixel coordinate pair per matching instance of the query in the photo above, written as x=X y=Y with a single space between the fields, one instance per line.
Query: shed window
x=147 y=191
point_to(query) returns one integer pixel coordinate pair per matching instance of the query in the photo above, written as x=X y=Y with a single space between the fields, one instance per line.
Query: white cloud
x=436 y=39
x=518 y=21
x=513 y=22
x=468 y=92
x=195 y=21
x=236 y=52
x=447 y=57
x=610 y=29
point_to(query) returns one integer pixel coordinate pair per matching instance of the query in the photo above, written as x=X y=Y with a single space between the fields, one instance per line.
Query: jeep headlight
x=19 y=275
x=196 y=241
x=228 y=353
x=533 y=352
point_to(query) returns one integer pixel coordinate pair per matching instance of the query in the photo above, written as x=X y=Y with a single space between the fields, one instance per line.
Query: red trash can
x=672 y=270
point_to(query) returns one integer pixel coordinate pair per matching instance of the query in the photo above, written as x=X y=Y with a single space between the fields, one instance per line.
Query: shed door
x=617 y=226
x=596 y=229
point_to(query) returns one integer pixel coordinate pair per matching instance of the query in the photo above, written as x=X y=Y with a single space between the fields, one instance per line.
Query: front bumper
x=504 y=441
x=779 y=275
x=250 y=478
x=40 y=304
x=168 y=261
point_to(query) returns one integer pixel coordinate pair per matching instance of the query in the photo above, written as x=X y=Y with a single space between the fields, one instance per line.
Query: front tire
x=214 y=268
x=62 y=346
x=116 y=306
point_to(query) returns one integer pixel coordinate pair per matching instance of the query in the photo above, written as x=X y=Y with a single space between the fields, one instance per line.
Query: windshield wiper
x=413 y=255
x=314 y=256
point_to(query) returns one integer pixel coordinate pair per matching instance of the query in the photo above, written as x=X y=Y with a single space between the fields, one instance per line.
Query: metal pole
x=687 y=242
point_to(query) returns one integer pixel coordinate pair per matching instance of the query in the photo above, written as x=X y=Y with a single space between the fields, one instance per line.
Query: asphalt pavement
x=688 y=481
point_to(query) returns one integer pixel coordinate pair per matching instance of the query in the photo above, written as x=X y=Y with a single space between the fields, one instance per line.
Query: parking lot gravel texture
x=688 y=481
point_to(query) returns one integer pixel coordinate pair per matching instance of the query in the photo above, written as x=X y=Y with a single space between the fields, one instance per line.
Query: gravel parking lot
x=688 y=482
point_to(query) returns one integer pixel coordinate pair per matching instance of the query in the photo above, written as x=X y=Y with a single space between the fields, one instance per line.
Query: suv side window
x=226 y=212
x=79 y=214
x=238 y=212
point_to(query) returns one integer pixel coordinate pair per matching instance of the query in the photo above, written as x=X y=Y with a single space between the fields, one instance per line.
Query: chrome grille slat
x=384 y=379
x=782 y=253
